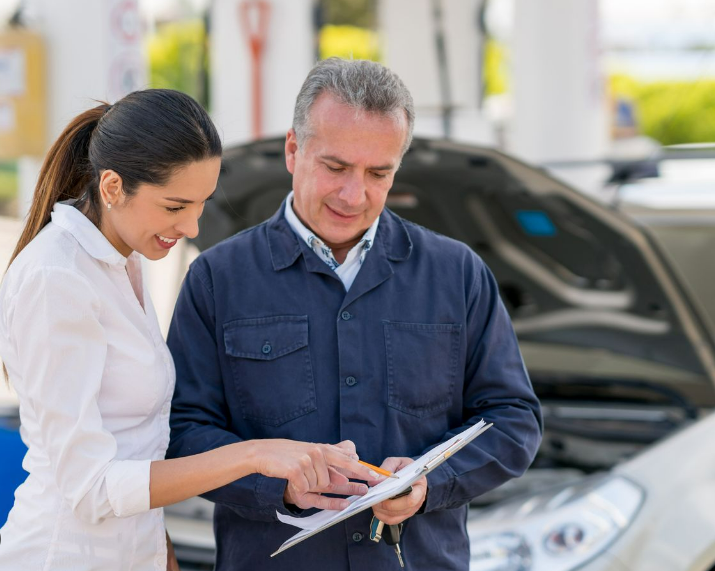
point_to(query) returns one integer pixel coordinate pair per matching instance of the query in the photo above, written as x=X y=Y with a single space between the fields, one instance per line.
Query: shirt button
x=266 y=348
x=346 y=316
x=351 y=381
x=357 y=537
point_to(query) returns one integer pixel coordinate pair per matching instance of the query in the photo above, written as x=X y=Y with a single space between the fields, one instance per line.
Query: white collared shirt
x=94 y=380
x=348 y=270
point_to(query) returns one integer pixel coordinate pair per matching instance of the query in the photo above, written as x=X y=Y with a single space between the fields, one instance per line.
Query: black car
x=616 y=345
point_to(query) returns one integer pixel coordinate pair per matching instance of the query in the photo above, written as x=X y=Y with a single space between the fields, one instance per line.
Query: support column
x=559 y=93
x=411 y=49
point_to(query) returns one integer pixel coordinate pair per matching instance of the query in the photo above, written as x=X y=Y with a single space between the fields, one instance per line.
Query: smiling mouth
x=340 y=214
x=165 y=239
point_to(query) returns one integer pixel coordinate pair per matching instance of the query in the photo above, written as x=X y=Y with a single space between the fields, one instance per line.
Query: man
x=337 y=320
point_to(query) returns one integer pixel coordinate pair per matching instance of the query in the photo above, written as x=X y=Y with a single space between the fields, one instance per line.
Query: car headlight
x=557 y=530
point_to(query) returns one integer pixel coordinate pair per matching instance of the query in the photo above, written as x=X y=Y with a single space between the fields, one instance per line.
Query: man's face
x=344 y=170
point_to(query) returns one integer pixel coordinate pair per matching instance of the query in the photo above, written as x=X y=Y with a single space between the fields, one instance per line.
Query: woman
x=82 y=347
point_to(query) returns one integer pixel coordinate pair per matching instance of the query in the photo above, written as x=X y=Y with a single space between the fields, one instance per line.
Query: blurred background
x=614 y=98
x=605 y=94
x=636 y=74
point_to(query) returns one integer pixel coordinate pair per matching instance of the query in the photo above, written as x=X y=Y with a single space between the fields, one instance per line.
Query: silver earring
x=109 y=205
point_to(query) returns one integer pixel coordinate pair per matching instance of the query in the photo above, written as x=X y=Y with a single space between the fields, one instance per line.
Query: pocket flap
x=266 y=338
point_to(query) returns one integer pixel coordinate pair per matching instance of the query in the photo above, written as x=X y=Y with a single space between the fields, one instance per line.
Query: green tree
x=359 y=13
x=348 y=42
x=177 y=58
x=671 y=112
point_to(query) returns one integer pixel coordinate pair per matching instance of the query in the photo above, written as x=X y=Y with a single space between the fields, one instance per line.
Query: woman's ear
x=110 y=188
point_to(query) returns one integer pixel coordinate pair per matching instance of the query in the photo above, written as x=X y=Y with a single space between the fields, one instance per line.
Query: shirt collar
x=87 y=234
x=285 y=247
x=316 y=243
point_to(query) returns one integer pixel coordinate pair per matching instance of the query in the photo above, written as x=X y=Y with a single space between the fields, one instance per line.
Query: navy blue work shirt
x=268 y=344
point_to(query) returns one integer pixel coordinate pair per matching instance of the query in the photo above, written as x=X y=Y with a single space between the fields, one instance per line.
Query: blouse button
x=267 y=348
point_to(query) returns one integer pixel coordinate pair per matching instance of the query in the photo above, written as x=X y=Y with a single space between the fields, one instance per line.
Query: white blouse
x=94 y=380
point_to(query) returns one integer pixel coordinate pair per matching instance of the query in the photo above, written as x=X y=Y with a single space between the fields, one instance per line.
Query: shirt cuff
x=128 y=487
x=270 y=491
x=440 y=483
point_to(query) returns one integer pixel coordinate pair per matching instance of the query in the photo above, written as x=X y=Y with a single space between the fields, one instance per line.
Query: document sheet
x=384 y=490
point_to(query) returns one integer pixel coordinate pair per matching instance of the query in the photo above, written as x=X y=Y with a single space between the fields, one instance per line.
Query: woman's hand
x=311 y=470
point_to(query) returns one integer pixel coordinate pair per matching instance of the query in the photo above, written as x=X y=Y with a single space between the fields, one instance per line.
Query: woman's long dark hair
x=144 y=137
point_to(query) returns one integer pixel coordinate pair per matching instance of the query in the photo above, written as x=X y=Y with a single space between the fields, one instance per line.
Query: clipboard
x=386 y=489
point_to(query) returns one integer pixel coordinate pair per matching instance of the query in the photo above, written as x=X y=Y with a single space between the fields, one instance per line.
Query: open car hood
x=588 y=289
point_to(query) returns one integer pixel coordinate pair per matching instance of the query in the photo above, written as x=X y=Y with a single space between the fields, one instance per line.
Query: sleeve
x=497 y=388
x=53 y=321
x=200 y=419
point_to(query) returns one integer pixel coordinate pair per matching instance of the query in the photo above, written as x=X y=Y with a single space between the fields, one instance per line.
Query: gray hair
x=361 y=84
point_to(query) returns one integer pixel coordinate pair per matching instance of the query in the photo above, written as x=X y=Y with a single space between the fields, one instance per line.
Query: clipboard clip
x=441 y=457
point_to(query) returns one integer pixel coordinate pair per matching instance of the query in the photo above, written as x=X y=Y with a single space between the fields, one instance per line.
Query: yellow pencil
x=378 y=470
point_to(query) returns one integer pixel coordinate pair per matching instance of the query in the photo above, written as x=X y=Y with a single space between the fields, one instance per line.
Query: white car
x=655 y=512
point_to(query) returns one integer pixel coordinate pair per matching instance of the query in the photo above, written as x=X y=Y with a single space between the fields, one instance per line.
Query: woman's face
x=155 y=218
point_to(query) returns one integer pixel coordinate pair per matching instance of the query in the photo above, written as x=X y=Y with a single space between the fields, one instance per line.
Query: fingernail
x=374 y=475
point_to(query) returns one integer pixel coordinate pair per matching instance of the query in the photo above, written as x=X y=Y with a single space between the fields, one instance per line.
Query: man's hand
x=396 y=511
x=339 y=484
x=338 y=468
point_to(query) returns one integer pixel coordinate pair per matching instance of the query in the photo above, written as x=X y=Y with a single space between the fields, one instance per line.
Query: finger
x=374 y=482
x=349 y=489
x=372 y=477
x=327 y=503
x=391 y=465
x=394 y=511
x=310 y=474
x=395 y=464
x=349 y=467
x=389 y=509
x=400 y=505
x=336 y=477
x=320 y=467
x=389 y=518
x=349 y=447
x=298 y=480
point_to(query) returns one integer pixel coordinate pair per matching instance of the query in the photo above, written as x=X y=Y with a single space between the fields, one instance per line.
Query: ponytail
x=66 y=174
x=144 y=137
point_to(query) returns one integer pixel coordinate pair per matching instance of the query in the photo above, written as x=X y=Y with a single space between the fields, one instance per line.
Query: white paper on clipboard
x=384 y=490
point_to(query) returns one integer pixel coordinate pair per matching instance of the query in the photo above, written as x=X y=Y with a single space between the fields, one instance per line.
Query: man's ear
x=110 y=187
x=291 y=148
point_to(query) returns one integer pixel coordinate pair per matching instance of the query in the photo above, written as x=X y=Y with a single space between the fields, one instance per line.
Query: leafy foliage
x=349 y=12
x=671 y=112
x=177 y=58
x=8 y=186
x=349 y=42
x=496 y=68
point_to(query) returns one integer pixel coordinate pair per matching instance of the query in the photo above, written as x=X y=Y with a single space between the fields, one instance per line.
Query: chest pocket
x=422 y=364
x=272 y=372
